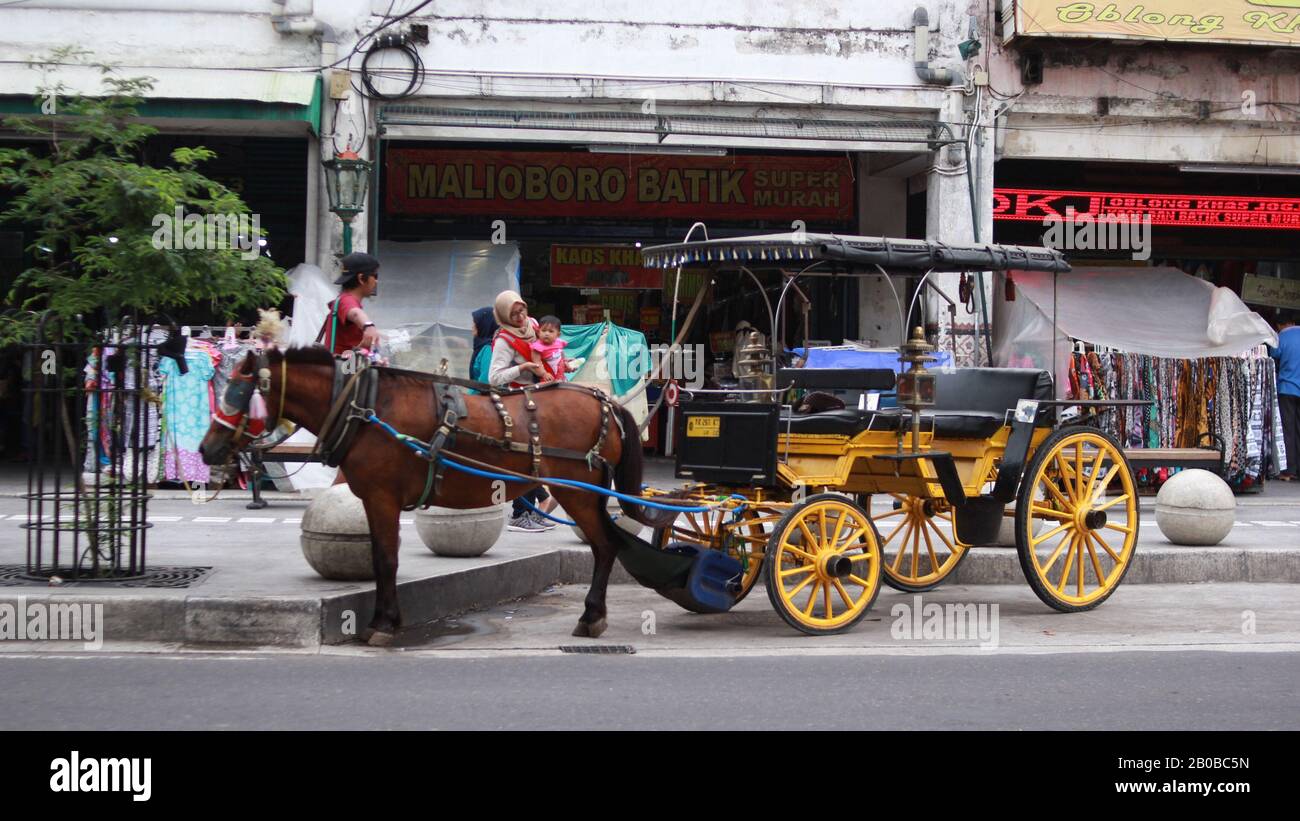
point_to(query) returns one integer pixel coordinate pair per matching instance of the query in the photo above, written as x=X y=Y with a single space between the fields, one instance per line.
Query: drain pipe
x=921 y=52
x=310 y=26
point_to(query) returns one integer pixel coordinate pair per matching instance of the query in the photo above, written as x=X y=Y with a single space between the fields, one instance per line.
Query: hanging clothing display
x=1232 y=397
x=187 y=407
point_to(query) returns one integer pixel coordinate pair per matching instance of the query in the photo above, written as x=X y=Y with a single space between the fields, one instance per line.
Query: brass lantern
x=754 y=368
x=916 y=385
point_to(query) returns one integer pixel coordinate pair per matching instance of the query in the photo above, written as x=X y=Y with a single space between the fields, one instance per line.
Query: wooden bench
x=1208 y=454
x=279 y=453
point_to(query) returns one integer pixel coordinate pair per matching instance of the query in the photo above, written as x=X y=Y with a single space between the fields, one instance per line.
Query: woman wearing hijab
x=512 y=365
x=485 y=327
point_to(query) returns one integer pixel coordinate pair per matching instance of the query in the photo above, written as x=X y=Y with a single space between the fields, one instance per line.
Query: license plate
x=704 y=427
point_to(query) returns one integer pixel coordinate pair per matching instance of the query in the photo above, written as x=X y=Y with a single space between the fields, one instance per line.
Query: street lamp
x=346 y=178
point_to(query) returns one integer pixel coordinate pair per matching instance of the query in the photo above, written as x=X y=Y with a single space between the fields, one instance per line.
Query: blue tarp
x=846 y=358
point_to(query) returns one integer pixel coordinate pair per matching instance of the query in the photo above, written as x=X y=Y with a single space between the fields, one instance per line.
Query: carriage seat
x=970 y=403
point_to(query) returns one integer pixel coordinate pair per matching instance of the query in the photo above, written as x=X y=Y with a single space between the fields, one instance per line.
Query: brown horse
x=388 y=476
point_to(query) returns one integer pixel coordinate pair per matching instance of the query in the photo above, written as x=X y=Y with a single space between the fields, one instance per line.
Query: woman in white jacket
x=512 y=366
x=511 y=358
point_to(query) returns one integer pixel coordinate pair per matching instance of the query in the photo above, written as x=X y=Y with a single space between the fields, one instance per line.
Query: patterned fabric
x=1233 y=397
x=186 y=411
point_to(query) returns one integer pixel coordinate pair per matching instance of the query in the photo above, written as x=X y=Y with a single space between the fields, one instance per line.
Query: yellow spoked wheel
x=823 y=565
x=715 y=529
x=924 y=538
x=1080 y=486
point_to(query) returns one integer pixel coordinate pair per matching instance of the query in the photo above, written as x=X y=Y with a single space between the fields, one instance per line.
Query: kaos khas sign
x=579 y=184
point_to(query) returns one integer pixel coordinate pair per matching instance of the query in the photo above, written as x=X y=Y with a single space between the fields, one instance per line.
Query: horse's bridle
x=234 y=410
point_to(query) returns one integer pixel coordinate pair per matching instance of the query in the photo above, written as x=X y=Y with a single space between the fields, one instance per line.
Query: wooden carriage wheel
x=1080 y=486
x=925 y=536
x=823 y=565
x=714 y=530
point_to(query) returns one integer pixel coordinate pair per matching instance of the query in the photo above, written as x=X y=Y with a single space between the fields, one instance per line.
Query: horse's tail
x=628 y=472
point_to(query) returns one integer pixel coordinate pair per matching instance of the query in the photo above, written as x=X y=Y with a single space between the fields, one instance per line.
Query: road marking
x=216 y=519
x=258 y=519
x=407 y=521
x=1276 y=524
x=291 y=521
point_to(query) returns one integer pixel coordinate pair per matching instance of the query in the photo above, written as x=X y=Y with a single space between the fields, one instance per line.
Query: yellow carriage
x=826 y=506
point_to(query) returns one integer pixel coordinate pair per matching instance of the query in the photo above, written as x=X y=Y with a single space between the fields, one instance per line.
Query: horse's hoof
x=590 y=630
x=379 y=639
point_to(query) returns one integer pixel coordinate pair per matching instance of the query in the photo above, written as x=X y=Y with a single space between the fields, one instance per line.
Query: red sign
x=602 y=266
x=580 y=184
x=1181 y=210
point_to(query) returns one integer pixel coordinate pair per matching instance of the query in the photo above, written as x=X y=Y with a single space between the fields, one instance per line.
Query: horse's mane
x=303 y=355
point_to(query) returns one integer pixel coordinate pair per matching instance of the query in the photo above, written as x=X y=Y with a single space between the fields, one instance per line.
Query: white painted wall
x=1154 y=93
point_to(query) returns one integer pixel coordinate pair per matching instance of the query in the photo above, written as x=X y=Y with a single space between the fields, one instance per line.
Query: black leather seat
x=970 y=403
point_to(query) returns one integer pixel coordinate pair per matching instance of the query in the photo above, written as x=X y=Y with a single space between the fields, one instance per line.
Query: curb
x=312 y=621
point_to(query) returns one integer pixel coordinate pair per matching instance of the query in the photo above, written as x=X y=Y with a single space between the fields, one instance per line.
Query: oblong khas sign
x=583 y=184
x=1266 y=22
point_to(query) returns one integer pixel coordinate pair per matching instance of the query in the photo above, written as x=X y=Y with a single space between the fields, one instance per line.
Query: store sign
x=1271 y=291
x=602 y=266
x=582 y=184
x=1266 y=22
x=1181 y=210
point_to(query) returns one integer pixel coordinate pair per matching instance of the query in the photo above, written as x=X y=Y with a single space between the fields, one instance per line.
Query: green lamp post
x=346 y=179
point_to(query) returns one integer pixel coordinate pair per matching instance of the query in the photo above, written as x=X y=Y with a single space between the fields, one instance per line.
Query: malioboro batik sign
x=1270 y=22
x=582 y=184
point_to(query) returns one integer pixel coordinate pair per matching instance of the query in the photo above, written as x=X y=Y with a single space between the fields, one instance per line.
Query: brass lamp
x=754 y=368
x=915 y=386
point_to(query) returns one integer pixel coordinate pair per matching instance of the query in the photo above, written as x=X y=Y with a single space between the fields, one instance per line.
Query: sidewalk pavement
x=258 y=590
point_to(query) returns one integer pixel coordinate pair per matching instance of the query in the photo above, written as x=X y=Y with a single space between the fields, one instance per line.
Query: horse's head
x=241 y=414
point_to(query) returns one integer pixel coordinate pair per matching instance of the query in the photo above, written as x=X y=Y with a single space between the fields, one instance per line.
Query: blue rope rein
x=423 y=450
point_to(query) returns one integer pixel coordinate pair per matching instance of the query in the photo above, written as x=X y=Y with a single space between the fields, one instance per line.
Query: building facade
x=575 y=130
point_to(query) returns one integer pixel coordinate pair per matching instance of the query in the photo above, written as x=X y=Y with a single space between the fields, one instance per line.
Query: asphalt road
x=1085 y=691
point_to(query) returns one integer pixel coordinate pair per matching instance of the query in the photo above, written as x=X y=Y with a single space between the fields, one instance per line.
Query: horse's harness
x=352 y=403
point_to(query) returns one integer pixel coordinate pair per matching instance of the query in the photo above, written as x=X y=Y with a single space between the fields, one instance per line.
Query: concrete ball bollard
x=1195 y=507
x=460 y=533
x=336 y=536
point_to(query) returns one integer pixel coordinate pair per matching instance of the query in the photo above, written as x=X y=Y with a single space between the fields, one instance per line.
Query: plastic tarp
x=1152 y=311
x=841 y=356
x=312 y=290
x=427 y=292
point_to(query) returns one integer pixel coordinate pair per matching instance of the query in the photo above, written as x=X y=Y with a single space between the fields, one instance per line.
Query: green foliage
x=94 y=210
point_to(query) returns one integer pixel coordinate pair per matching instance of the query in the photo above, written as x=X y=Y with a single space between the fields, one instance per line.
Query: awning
x=207 y=94
x=665 y=128
x=1152 y=311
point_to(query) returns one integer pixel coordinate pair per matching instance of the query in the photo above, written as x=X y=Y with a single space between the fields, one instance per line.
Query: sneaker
x=541 y=521
x=525 y=523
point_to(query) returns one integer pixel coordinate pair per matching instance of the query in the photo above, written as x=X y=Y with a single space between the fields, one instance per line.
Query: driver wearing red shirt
x=347 y=327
